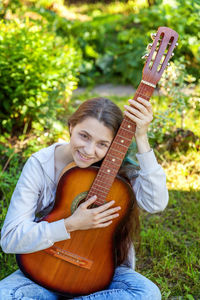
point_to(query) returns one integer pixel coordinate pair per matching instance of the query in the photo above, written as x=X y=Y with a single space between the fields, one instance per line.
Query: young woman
x=92 y=128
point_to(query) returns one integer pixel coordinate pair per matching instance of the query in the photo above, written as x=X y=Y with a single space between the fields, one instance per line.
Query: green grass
x=170 y=240
x=170 y=245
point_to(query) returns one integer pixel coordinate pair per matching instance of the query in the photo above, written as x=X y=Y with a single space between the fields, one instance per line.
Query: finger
x=109 y=212
x=134 y=111
x=103 y=224
x=139 y=106
x=89 y=201
x=108 y=218
x=134 y=118
x=104 y=207
x=146 y=103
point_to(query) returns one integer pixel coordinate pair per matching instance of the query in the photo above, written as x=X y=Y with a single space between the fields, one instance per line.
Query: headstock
x=164 y=42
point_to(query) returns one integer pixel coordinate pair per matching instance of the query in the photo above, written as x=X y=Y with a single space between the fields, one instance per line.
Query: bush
x=112 y=47
x=113 y=43
x=38 y=71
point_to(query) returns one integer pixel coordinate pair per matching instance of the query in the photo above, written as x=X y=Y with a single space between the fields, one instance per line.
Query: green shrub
x=112 y=47
x=38 y=71
x=112 y=44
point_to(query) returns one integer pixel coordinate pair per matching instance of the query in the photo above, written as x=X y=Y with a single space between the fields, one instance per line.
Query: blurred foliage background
x=49 y=48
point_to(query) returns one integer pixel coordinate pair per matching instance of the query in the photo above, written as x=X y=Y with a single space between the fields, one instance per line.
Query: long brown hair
x=105 y=111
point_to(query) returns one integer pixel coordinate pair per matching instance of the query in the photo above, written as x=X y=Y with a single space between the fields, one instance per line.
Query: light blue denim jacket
x=35 y=193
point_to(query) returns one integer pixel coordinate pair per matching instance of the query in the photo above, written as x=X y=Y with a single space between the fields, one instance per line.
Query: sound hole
x=80 y=198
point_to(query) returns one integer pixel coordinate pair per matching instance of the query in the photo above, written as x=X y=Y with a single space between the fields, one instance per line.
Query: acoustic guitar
x=85 y=263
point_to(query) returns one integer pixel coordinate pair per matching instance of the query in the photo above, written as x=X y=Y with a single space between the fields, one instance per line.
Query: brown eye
x=103 y=145
x=83 y=136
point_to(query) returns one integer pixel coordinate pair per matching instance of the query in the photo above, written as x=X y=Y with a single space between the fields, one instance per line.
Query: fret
x=125 y=132
x=98 y=203
x=148 y=90
x=142 y=96
x=117 y=153
x=127 y=123
x=98 y=192
x=113 y=159
x=110 y=173
x=103 y=190
x=112 y=163
x=105 y=180
x=122 y=137
x=109 y=164
x=122 y=148
x=101 y=178
x=101 y=201
x=122 y=141
x=102 y=187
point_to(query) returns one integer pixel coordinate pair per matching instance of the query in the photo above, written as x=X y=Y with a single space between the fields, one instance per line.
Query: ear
x=70 y=129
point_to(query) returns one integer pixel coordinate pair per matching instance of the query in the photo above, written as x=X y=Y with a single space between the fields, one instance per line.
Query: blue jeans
x=126 y=284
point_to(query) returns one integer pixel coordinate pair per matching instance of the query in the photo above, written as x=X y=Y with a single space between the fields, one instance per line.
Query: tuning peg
x=168 y=64
x=145 y=56
x=176 y=44
x=172 y=54
x=153 y=36
x=149 y=46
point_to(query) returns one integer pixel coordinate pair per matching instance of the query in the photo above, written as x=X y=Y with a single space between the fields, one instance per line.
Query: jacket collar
x=46 y=157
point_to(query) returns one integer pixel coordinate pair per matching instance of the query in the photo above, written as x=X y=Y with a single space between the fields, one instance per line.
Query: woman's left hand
x=140 y=112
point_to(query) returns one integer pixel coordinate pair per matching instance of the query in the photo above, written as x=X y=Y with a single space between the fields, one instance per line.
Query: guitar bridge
x=69 y=257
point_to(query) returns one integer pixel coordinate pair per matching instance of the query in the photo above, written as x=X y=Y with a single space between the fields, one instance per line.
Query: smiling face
x=90 y=140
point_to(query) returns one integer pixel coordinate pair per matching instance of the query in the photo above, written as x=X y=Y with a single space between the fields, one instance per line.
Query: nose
x=90 y=149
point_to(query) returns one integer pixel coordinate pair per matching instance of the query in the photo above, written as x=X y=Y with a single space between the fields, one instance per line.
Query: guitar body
x=90 y=254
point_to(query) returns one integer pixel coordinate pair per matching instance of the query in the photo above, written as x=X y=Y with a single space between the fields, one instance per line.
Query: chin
x=82 y=164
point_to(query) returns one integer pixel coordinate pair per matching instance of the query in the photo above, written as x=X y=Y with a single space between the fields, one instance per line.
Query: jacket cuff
x=58 y=231
x=147 y=160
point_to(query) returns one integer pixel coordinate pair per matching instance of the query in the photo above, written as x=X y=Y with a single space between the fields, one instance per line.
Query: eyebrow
x=104 y=141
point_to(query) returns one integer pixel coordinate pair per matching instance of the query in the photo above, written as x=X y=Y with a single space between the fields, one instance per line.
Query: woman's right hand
x=87 y=218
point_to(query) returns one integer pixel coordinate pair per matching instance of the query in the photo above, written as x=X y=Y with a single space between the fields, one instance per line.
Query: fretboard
x=116 y=153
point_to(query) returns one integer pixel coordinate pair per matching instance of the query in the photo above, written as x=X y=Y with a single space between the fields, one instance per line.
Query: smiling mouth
x=83 y=157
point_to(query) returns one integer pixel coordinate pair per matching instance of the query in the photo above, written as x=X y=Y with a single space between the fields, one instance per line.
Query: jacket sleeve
x=150 y=186
x=20 y=233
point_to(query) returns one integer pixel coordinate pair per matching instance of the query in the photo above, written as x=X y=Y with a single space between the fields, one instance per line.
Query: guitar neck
x=117 y=151
x=165 y=40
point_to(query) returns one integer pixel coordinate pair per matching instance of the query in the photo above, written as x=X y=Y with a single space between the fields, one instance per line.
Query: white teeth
x=85 y=157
